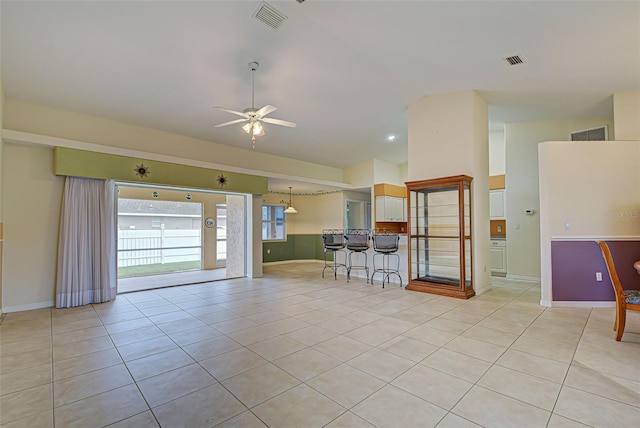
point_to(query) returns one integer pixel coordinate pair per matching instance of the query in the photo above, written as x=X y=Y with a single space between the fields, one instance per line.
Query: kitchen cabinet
x=390 y=209
x=498 y=256
x=440 y=236
x=497 y=205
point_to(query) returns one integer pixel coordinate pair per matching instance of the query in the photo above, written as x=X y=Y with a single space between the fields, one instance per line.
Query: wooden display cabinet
x=439 y=238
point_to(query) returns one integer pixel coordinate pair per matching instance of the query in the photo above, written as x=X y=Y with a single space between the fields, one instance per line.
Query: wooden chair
x=625 y=299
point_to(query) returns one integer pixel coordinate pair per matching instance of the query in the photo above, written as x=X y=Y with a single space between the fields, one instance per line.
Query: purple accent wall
x=574 y=264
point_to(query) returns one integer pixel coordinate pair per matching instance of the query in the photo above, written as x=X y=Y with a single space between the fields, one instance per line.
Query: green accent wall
x=82 y=163
x=296 y=247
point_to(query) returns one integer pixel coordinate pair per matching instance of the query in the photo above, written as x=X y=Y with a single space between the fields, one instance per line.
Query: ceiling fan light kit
x=252 y=117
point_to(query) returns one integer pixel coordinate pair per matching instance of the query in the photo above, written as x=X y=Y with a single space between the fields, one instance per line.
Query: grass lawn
x=159 y=268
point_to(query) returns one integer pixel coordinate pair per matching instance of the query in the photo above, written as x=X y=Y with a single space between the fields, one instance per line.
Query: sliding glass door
x=157 y=237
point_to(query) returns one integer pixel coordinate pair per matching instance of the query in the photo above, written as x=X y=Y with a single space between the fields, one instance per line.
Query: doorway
x=358 y=214
x=171 y=236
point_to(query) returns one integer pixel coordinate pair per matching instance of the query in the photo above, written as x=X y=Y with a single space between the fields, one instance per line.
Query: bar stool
x=385 y=245
x=334 y=242
x=357 y=242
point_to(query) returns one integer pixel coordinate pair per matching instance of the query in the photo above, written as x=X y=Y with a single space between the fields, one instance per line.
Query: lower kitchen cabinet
x=498 y=256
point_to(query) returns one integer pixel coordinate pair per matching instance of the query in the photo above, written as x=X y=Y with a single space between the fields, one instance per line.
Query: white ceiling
x=345 y=71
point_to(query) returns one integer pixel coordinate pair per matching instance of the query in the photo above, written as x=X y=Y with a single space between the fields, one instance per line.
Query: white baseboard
x=482 y=290
x=523 y=278
x=578 y=304
x=29 y=307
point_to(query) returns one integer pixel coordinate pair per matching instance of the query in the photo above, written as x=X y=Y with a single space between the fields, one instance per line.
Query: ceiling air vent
x=270 y=16
x=514 y=60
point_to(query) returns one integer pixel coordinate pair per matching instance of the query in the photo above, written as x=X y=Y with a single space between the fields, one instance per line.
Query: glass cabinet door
x=440 y=236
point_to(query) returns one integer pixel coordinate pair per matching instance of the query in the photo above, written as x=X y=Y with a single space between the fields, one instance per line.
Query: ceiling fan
x=253 y=117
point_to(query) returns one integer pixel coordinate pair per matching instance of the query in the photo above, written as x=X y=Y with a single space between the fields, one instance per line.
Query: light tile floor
x=295 y=350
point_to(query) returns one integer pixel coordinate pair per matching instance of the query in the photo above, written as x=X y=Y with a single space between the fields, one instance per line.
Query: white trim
x=28 y=307
x=580 y=304
x=545 y=303
x=26 y=138
x=523 y=278
x=595 y=238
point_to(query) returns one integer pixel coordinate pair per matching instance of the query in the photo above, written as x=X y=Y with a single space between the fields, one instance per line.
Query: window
x=273 y=223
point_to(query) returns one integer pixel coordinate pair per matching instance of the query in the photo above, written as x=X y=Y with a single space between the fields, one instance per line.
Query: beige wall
x=595 y=186
x=315 y=212
x=360 y=175
x=38 y=119
x=33 y=196
x=626 y=112
x=1 y=174
x=497 y=164
x=448 y=135
x=387 y=172
x=208 y=201
x=523 y=231
x=404 y=171
x=254 y=236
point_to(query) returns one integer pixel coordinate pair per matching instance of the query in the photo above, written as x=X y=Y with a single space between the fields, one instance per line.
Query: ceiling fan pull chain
x=254 y=67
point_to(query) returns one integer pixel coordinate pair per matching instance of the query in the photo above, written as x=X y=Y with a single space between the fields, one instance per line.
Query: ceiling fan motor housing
x=250 y=111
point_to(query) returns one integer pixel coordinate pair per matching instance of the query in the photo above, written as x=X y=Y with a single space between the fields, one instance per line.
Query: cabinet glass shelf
x=439 y=236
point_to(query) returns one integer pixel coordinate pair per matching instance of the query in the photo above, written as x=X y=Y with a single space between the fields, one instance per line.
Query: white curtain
x=87 y=245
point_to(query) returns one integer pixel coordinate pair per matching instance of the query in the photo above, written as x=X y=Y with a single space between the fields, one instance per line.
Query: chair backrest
x=333 y=238
x=358 y=239
x=386 y=242
x=613 y=274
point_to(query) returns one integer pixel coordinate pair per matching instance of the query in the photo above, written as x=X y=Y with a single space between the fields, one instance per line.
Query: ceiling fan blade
x=266 y=110
x=231 y=122
x=238 y=113
x=278 y=122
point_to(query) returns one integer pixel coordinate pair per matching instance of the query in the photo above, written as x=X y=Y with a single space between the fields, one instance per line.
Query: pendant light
x=290 y=209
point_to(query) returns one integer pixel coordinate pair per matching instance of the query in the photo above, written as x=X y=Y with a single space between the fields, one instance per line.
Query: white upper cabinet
x=497 y=204
x=390 y=209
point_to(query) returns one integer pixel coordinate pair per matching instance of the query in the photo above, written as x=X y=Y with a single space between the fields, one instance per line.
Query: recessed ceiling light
x=391 y=137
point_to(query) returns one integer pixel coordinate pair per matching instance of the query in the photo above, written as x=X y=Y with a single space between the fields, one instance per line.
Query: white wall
x=33 y=197
x=523 y=231
x=497 y=152
x=448 y=135
x=593 y=185
x=626 y=112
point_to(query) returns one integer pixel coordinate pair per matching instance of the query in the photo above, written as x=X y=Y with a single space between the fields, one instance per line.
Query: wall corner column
x=449 y=135
x=626 y=111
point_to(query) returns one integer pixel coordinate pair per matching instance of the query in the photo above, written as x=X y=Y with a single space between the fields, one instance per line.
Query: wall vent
x=270 y=16
x=594 y=134
x=514 y=60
